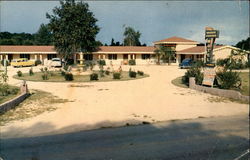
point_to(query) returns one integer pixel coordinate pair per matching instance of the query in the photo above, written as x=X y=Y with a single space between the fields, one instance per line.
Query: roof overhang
x=123 y=52
x=184 y=43
x=28 y=52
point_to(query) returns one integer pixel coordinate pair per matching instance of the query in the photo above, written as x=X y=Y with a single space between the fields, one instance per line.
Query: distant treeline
x=42 y=37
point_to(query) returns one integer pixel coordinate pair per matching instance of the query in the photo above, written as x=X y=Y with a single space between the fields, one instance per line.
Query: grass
x=244 y=87
x=178 y=82
x=57 y=77
x=245 y=83
x=10 y=96
x=37 y=103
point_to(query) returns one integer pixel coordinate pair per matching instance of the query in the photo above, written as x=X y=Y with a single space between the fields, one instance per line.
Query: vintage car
x=56 y=62
x=22 y=62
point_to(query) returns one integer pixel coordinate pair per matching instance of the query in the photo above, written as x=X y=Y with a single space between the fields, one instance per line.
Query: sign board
x=209 y=76
x=211 y=34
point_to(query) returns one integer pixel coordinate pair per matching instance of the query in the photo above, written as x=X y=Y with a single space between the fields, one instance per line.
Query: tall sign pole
x=209 y=71
x=210 y=36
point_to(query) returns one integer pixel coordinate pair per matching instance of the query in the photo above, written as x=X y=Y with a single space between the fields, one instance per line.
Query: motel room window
x=50 y=56
x=112 y=56
x=25 y=56
x=125 y=56
x=145 y=56
x=88 y=57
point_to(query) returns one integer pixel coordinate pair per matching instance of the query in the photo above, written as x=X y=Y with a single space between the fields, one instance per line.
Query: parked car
x=186 y=63
x=22 y=62
x=56 y=62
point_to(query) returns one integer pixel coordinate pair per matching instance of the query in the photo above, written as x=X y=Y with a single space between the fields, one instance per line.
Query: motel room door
x=183 y=56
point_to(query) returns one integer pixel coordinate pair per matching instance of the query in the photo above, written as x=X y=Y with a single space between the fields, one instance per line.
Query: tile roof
x=197 y=49
x=176 y=40
x=26 y=48
x=103 y=49
x=130 y=49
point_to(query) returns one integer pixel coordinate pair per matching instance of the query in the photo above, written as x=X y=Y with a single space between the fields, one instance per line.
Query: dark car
x=186 y=63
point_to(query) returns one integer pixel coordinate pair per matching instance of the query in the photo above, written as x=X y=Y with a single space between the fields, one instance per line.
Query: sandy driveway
x=105 y=104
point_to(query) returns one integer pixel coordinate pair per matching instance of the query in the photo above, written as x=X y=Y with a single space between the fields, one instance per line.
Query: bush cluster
x=131 y=62
x=93 y=77
x=6 y=90
x=101 y=72
x=230 y=64
x=31 y=73
x=228 y=79
x=140 y=73
x=45 y=76
x=101 y=62
x=68 y=76
x=37 y=62
x=116 y=75
x=132 y=74
x=107 y=72
x=193 y=72
x=198 y=64
x=19 y=73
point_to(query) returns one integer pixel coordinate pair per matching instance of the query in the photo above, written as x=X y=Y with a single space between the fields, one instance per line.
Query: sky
x=155 y=20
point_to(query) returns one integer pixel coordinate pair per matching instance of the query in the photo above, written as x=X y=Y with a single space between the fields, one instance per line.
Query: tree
x=43 y=35
x=158 y=55
x=112 y=42
x=73 y=28
x=131 y=37
x=244 y=44
x=166 y=53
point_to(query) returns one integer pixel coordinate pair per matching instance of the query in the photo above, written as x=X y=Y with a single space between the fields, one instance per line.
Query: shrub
x=51 y=73
x=229 y=79
x=66 y=67
x=93 y=77
x=45 y=76
x=141 y=73
x=68 y=76
x=193 y=72
x=7 y=62
x=37 y=62
x=101 y=73
x=31 y=72
x=101 y=62
x=132 y=74
x=247 y=65
x=198 y=64
x=131 y=62
x=5 y=89
x=4 y=77
x=116 y=75
x=222 y=62
x=19 y=73
x=107 y=72
x=62 y=73
x=41 y=69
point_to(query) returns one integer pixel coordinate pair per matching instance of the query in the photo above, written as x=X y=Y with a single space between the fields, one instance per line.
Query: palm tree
x=167 y=53
x=158 y=54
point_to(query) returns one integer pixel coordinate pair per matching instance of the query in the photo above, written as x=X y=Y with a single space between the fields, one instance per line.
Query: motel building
x=120 y=55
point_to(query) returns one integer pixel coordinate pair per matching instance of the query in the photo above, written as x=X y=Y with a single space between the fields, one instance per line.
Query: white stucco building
x=119 y=55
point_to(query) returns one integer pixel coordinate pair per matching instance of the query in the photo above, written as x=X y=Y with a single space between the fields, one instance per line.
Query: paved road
x=221 y=138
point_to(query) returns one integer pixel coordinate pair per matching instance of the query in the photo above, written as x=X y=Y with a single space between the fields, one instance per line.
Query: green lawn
x=245 y=83
x=10 y=95
x=244 y=88
x=57 y=77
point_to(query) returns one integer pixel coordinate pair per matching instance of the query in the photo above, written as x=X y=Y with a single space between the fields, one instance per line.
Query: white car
x=56 y=62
